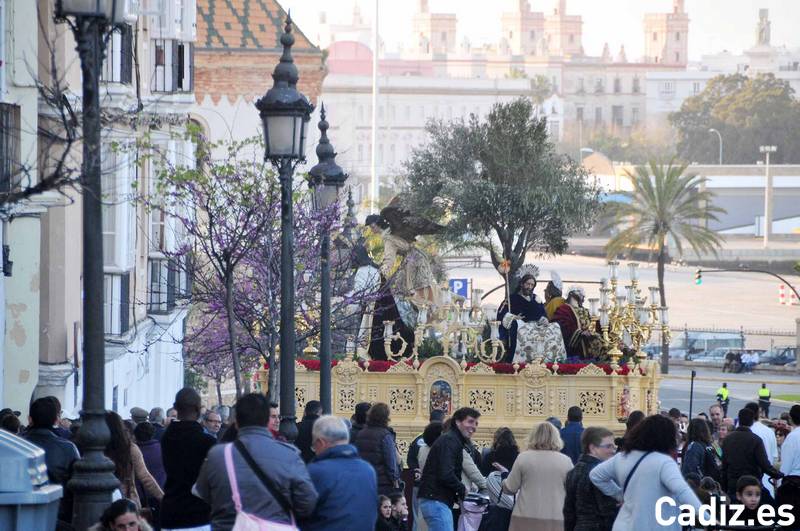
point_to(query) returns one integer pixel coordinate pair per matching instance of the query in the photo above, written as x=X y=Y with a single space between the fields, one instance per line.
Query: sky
x=715 y=25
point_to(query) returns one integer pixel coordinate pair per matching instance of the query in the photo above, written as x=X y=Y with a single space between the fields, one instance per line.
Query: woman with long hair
x=644 y=472
x=129 y=465
x=376 y=445
x=504 y=451
x=121 y=515
x=699 y=456
x=537 y=478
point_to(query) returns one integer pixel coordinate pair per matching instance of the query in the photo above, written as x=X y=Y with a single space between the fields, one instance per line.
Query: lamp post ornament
x=284 y=113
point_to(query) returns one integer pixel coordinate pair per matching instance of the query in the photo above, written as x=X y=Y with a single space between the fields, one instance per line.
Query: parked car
x=715 y=355
x=780 y=356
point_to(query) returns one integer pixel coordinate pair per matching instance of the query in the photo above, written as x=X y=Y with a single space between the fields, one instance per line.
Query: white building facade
x=145 y=293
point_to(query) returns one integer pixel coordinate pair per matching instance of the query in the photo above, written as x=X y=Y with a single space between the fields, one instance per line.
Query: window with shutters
x=118 y=223
x=10 y=155
x=118 y=64
x=173 y=66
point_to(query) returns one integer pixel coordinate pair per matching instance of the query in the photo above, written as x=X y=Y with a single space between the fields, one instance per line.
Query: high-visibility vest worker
x=722 y=394
x=764 y=393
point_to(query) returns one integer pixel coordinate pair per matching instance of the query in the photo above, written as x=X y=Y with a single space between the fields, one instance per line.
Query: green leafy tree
x=748 y=112
x=499 y=185
x=666 y=203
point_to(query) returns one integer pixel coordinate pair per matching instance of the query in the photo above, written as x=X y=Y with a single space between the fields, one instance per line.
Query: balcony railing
x=116 y=302
x=9 y=146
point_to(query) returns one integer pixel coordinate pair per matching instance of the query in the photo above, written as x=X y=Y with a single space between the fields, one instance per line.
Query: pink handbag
x=246 y=521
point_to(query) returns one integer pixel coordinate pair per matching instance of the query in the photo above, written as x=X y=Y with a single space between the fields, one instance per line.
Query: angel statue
x=412 y=277
x=525 y=326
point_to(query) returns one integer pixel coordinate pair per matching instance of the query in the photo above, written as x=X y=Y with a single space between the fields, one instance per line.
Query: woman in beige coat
x=537 y=478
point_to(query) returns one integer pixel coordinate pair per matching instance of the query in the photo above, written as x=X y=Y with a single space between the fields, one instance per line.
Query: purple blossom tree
x=228 y=214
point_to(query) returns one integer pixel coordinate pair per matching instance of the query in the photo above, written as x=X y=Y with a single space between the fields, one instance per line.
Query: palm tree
x=665 y=203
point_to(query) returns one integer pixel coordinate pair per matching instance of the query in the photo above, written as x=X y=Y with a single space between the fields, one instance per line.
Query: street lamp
x=284 y=113
x=712 y=130
x=326 y=179
x=767 y=195
x=93 y=478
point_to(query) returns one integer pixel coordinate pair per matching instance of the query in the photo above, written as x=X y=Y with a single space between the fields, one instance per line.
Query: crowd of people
x=210 y=470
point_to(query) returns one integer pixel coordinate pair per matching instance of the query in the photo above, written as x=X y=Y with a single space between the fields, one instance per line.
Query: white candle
x=631 y=296
x=495 y=330
x=604 y=297
x=653 y=294
x=612 y=266
x=593 y=307
x=387 y=329
x=423 y=315
x=603 y=317
x=603 y=283
x=664 y=315
x=633 y=269
x=476 y=298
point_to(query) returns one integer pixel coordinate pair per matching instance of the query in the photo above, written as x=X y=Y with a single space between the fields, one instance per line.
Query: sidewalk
x=712 y=374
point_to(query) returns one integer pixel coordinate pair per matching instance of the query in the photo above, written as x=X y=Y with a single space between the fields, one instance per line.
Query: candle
x=603 y=317
x=631 y=295
x=604 y=297
x=593 y=307
x=664 y=316
x=465 y=316
x=603 y=283
x=476 y=298
x=423 y=315
x=643 y=316
x=612 y=266
x=387 y=329
x=620 y=300
x=653 y=294
x=494 y=327
x=633 y=269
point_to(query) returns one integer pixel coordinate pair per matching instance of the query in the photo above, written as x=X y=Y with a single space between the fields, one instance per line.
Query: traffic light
x=698 y=277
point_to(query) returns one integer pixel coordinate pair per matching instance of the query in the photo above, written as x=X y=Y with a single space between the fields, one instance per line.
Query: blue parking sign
x=460 y=286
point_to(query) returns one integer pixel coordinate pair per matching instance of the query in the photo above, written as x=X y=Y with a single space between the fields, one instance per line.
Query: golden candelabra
x=626 y=320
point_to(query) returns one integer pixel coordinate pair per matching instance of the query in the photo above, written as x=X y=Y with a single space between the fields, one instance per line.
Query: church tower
x=523 y=29
x=434 y=33
x=666 y=36
x=563 y=33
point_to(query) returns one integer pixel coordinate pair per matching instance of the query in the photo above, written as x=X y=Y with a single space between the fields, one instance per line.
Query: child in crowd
x=748 y=493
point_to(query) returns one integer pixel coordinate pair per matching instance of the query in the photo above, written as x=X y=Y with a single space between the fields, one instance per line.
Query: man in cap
x=138 y=415
x=524 y=306
x=576 y=326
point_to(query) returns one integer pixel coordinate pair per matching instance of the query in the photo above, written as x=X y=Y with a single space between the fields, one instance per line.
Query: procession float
x=390 y=358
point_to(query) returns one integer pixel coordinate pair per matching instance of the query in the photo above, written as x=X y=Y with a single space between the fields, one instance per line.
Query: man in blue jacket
x=346 y=484
x=571 y=434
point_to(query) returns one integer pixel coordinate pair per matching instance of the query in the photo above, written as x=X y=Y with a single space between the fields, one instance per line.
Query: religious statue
x=763 y=36
x=411 y=277
x=577 y=328
x=524 y=325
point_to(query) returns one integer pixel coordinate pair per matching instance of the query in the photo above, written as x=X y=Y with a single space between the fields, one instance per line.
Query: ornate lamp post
x=284 y=114
x=93 y=479
x=326 y=179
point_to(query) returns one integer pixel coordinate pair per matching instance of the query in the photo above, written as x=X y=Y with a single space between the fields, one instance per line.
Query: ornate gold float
x=519 y=400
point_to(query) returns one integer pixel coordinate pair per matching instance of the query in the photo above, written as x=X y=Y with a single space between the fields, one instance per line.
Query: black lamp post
x=326 y=179
x=93 y=477
x=284 y=114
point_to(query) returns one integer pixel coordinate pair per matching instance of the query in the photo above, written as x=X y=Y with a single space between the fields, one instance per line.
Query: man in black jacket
x=184 y=446
x=743 y=454
x=440 y=486
x=303 y=442
x=59 y=454
x=585 y=507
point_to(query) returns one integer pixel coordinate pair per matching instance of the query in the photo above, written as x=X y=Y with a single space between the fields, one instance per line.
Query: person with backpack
x=699 y=455
x=255 y=477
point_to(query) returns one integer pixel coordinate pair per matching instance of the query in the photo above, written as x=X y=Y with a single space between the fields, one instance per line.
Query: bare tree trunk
x=219 y=392
x=237 y=369
x=662 y=259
